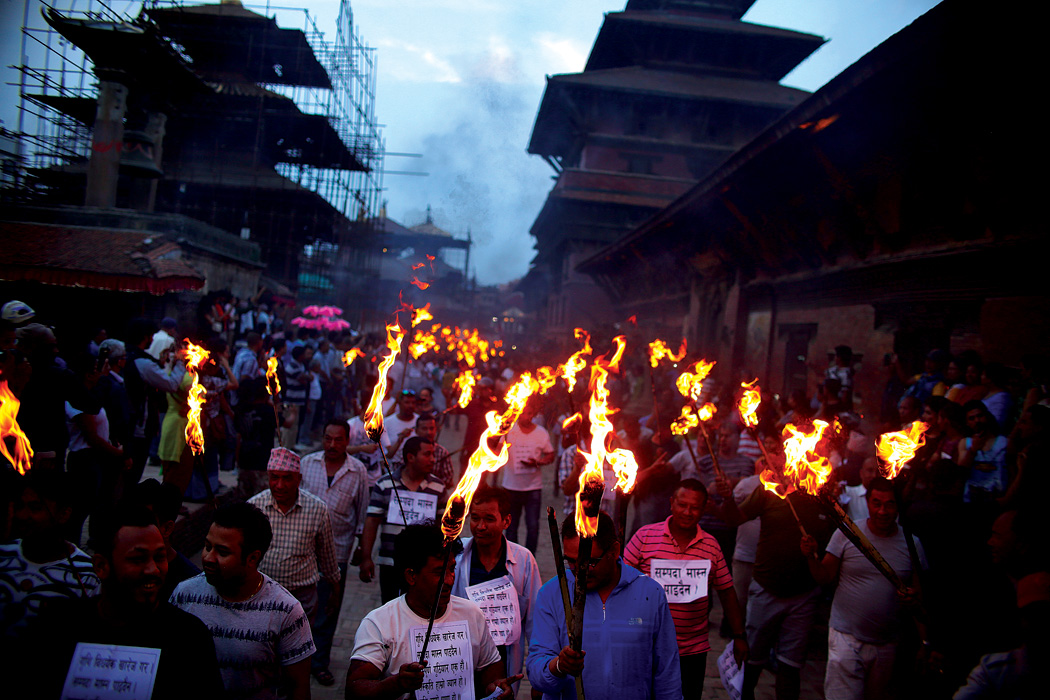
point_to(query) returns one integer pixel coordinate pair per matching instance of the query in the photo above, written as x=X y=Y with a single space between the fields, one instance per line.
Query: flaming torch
x=196 y=357
x=482 y=460
x=896 y=449
x=806 y=469
x=691 y=385
x=750 y=400
x=22 y=455
x=374 y=412
x=592 y=481
x=350 y=355
x=658 y=350
x=273 y=387
x=465 y=382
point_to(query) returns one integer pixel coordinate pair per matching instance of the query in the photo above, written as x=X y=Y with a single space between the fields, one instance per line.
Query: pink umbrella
x=311 y=310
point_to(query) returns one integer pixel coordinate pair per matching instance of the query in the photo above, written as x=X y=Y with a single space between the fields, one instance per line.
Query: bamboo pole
x=563 y=583
x=437 y=602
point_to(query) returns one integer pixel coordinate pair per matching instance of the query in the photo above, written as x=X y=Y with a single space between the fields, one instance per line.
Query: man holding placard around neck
x=500 y=576
x=685 y=560
x=418 y=493
x=462 y=660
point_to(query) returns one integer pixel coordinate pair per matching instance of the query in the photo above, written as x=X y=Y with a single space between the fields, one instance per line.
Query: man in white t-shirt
x=530 y=449
x=461 y=655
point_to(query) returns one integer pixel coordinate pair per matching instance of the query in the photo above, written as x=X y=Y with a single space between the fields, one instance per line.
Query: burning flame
x=196 y=357
x=658 y=350
x=273 y=384
x=374 y=412
x=691 y=383
x=706 y=412
x=22 y=455
x=685 y=422
x=421 y=285
x=421 y=344
x=804 y=466
x=348 y=357
x=420 y=315
x=484 y=459
x=749 y=403
x=418 y=266
x=572 y=421
x=898 y=448
x=465 y=383
x=592 y=482
x=576 y=362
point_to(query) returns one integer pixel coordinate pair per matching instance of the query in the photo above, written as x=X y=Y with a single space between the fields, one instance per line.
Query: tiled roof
x=98 y=258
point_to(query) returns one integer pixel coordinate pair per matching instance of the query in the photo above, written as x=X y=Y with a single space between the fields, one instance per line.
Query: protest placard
x=449 y=673
x=684 y=580
x=731 y=675
x=418 y=507
x=498 y=599
x=102 y=672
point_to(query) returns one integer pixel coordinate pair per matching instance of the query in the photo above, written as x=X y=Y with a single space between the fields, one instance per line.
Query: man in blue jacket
x=627 y=630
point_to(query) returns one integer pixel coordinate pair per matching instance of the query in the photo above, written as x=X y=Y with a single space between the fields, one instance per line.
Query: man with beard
x=261 y=632
x=385 y=665
x=627 y=629
x=131 y=561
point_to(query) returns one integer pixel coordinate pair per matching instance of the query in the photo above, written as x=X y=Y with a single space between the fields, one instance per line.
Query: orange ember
x=898 y=448
x=572 y=421
x=418 y=266
x=576 y=362
x=273 y=384
x=592 y=481
x=749 y=403
x=374 y=412
x=421 y=285
x=350 y=355
x=465 y=383
x=22 y=455
x=691 y=383
x=804 y=466
x=196 y=357
x=658 y=350
x=633 y=320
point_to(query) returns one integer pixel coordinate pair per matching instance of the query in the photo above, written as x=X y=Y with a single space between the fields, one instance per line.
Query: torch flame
x=572 y=421
x=465 y=383
x=423 y=314
x=691 y=383
x=22 y=455
x=484 y=459
x=421 y=285
x=273 y=384
x=196 y=357
x=749 y=403
x=348 y=357
x=658 y=350
x=592 y=481
x=685 y=422
x=576 y=362
x=374 y=412
x=898 y=448
x=804 y=466
x=706 y=412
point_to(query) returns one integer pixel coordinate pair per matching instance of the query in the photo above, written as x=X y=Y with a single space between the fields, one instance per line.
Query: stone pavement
x=361 y=598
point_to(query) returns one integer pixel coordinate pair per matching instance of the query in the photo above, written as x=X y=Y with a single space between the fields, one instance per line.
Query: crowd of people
x=316 y=499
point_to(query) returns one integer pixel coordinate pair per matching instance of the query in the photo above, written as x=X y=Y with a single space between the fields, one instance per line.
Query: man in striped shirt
x=681 y=538
x=385 y=516
x=303 y=548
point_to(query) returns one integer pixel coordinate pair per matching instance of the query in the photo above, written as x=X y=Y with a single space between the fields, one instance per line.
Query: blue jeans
x=324 y=624
x=530 y=501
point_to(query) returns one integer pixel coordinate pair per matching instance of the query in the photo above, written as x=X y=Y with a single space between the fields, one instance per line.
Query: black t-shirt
x=179 y=569
x=187 y=667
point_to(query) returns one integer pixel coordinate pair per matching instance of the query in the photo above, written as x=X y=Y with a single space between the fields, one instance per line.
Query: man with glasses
x=627 y=629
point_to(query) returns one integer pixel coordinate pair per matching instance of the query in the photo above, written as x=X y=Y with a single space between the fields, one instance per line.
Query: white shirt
x=523 y=446
x=77 y=441
x=383 y=636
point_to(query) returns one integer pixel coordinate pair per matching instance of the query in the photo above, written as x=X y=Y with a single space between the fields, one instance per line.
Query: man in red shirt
x=657 y=550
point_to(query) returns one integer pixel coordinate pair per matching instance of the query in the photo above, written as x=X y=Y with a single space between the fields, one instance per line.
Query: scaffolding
x=295 y=162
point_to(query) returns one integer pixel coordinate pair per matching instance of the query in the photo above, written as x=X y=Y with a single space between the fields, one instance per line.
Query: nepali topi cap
x=283 y=460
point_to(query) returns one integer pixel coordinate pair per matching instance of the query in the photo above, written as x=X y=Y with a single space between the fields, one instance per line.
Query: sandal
x=324 y=677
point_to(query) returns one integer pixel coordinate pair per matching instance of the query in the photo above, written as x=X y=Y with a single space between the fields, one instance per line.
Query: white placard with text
x=498 y=599
x=449 y=673
x=418 y=507
x=102 y=672
x=684 y=580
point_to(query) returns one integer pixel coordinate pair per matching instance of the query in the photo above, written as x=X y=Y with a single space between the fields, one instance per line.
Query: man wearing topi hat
x=303 y=549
